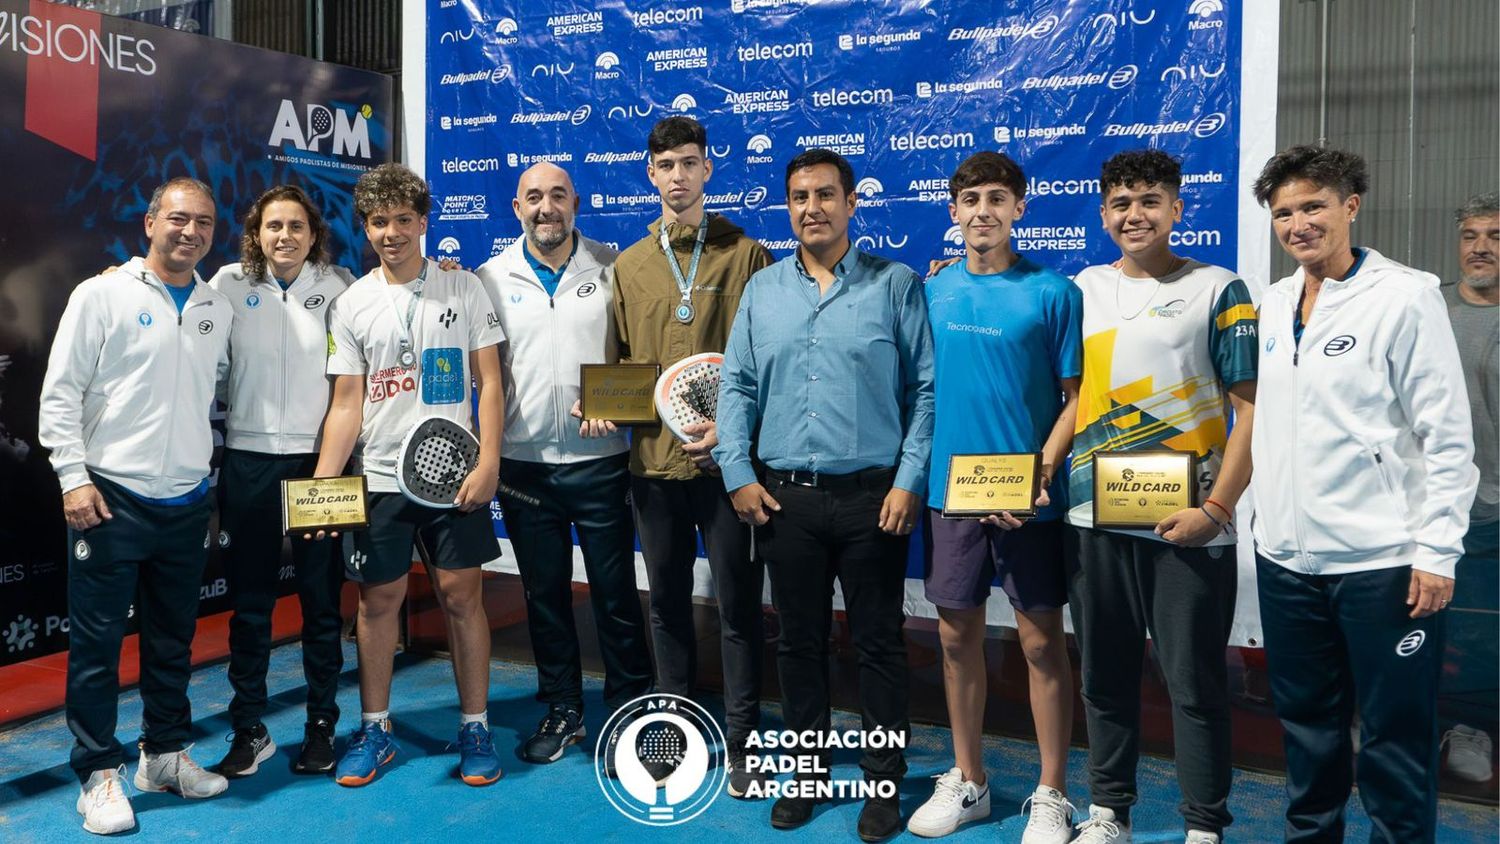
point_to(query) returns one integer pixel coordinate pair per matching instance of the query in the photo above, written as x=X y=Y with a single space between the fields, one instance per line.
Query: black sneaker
x=248 y=748
x=739 y=780
x=317 y=748
x=879 y=819
x=562 y=726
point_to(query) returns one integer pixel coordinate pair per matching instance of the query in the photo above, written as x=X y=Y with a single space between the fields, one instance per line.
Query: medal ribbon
x=685 y=284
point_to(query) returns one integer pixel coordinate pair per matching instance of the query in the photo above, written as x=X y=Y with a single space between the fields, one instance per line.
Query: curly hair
x=1478 y=205
x=253 y=258
x=1325 y=167
x=390 y=186
x=1140 y=167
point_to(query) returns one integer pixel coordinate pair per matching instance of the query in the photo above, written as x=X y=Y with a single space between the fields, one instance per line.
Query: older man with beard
x=1467 y=693
x=554 y=291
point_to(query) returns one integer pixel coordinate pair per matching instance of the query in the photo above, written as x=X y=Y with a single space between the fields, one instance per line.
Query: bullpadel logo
x=660 y=760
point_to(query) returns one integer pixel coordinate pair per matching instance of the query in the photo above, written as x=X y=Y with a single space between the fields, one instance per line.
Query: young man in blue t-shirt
x=1008 y=359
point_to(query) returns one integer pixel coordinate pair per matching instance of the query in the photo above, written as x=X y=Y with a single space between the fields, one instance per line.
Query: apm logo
x=349 y=130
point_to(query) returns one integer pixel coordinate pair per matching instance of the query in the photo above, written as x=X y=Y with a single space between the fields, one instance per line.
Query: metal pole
x=1323 y=82
x=1411 y=141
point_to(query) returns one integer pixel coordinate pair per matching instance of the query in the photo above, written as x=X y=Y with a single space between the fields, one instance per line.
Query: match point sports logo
x=660 y=760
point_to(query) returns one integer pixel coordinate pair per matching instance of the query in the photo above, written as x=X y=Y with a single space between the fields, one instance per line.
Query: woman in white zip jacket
x=277 y=395
x=1363 y=478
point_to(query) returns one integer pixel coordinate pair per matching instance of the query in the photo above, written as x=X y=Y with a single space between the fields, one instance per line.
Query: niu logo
x=448 y=318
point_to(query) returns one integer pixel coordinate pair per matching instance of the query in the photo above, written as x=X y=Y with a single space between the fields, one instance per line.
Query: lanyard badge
x=407 y=357
x=684 y=311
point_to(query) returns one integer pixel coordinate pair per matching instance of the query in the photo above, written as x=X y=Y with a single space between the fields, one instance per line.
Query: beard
x=548 y=242
x=1482 y=282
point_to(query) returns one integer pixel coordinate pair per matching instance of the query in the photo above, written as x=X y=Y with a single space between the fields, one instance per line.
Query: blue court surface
x=419 y=798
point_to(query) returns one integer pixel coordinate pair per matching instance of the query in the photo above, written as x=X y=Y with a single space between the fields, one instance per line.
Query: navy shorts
x=451 y=539
x=962 y=558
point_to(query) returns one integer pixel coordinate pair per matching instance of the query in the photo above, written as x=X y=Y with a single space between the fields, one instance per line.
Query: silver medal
x=685 y=313
x=408 y=358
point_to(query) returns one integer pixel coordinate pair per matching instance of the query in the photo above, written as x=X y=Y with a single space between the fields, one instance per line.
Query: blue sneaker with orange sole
x=369 y=749
x=478 y=764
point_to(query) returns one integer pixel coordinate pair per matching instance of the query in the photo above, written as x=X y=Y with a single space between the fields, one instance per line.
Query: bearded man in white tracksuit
x=1364 y=474
x=554 y=291
x=124 y=409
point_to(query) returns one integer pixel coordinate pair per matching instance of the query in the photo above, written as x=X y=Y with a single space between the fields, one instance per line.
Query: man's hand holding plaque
x=1002 y=490
x=1138 y=490
x=618 y=393
x=318 y=507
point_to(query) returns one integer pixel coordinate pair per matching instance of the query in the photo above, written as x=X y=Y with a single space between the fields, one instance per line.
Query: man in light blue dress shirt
x=828 y=377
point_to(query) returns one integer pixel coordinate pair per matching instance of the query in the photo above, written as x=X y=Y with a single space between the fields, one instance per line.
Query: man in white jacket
x=554 y=291
x=124 y=409
x=1364 y=474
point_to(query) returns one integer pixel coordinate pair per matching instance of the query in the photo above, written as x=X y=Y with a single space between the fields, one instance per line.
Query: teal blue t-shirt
x=1003 y=343
x=180 y=294
x=545 y=274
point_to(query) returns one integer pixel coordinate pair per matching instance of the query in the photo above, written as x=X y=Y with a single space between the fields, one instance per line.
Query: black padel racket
x=436 y=456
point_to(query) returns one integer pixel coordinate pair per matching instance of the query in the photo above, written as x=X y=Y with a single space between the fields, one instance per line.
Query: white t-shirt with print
x=367 y=330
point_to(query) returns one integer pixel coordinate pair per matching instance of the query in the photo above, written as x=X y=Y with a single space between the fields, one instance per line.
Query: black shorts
x=963 y=557
x=451 y=539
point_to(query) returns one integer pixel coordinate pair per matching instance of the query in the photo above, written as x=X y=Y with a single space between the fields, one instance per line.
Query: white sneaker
x=1471 y=754
x=103 y=804
x=1201 y=836
x=954 y=802
x=177 y=773
x=1051 y=820
x=1102 y=828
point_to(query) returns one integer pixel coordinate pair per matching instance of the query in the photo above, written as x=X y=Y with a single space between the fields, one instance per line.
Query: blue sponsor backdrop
x=905 y=90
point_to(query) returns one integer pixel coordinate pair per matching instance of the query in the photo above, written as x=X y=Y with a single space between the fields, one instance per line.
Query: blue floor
x=419 y=798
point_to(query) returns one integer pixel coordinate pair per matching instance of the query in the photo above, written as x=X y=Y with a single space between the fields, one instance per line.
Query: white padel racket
x=688 y=392
x=435 y=457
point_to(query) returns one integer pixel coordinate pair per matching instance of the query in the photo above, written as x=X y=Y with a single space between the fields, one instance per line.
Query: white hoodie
x=1362 y=445
x=130 y=383
x=277 y=391
x=549 y=338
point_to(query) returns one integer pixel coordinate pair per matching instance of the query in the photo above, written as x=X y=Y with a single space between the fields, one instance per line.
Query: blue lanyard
x=685 y=284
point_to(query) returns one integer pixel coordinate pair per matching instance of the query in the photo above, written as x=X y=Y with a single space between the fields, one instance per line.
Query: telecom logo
x=665 y=17
x=449 y=245
x=678 y=58
x=759 y=102
x=505 y=31
x=913 y=141
x=1036 y=188
x=1193 y=73
x=1201 y=127
x=469 y=165
x=684 y=749
x=1038 y=28
x=1195 y=237
x=494 y=75
x=774 y=52
x=1203 y=10
x=553 y=69
x=20 y=634
x=684 y=103
x=843 y=143
x=348 y=131
x=606 y=67
x=836 y=98
x=463 y=206
x=874 y=242
x=881 y=42
x=758 y=145
x=581 y=23
x=629 y=112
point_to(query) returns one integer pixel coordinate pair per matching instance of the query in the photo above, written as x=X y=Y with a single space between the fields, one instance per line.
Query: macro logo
x=1194 y=72
x=872 y=242
x=665 y=17
x=954 y=235
x=553 y=69
x=449 y=245
x=758 y=146
x=869 y=187
x=684 y=103
x=505 y=31
x=67 y=49
x=606 y=66
x=347 y=131
x=1205 y=11
x=1122 y=77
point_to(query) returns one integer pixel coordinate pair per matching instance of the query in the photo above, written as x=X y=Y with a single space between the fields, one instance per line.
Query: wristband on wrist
x=1228 y=516
x=1219 y=524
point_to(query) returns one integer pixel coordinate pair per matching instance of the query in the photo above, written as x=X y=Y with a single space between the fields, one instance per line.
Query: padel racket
x=436 y=456
x=688 y=392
